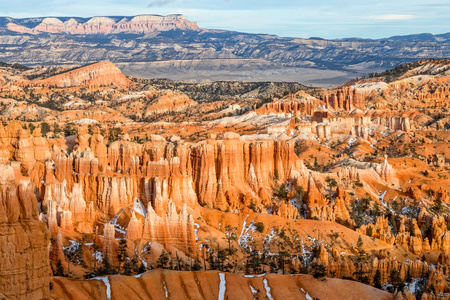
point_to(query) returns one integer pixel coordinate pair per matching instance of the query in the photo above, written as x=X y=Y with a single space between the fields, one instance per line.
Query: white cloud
x=392 y=17
x=159 y=3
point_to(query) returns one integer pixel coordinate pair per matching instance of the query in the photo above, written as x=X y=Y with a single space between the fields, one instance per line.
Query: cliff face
x=24 y=261
x=345 y=98
x=105 y=25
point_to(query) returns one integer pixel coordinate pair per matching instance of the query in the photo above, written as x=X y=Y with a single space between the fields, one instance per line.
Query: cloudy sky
x=296 y=18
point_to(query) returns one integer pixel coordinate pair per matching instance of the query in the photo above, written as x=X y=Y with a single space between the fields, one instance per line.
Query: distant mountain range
x=174 y=47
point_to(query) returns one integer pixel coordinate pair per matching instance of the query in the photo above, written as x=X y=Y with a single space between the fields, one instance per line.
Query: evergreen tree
x=134 y=264
x=122 y=252
x=31 y=127
x=127 y=267
x=59 y=269
x=318 y=270
x=163 y=260
x=362 y=256
x=142 y=268
x=107 y=268
x=114 y=134
x=56 y=129
x=438 y=207
x=45 y=128
x=377 y=279
x=396 y=280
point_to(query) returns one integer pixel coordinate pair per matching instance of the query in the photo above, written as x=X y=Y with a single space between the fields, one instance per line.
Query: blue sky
x=295 y=18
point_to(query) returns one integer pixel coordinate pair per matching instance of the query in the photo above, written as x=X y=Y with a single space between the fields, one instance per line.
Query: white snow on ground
x=117 y=227
x=254 y=291
x=351 y=141
x=268 y=239
x=139 y=207
x=139 y=275
x=267 y=287
x=381 y=197
x=413 y=286
x=98 y=256
x=146 y=248
x=166 y=292
x=120 y=230
x=308 y=297
x=245 y=236
x=222 y=286
x=108 y=286
x=252 y=276
x=116 y=217
x=73 y=246
x=196 y=227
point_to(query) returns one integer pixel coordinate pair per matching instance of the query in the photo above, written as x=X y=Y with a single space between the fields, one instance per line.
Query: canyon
x=114 y=186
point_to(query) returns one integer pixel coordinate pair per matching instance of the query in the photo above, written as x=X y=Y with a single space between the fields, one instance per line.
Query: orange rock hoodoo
x=24 y=261
x=344 y=99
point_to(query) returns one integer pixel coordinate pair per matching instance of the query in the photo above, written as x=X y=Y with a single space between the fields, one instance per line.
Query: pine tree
x=163 y=260
x=122 y=252
x=318 y=270
x=377 y=279
x=127 y=267
x=142 y=268
x=396 y=280
x=107 y=268
x=59 y=269
x=361 y=252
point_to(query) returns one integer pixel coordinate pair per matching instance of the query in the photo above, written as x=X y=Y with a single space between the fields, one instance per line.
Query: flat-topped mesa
x=102 y=73
x=108 y=25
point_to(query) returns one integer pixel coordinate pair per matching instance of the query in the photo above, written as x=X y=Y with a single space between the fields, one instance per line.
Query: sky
x=290 y=18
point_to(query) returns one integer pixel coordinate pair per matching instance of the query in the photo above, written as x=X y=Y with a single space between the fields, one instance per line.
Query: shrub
x=260 y=227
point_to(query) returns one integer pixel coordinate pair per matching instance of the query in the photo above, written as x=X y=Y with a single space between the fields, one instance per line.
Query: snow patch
x=166 y=292
x=222 y=286
x=245 y=236
x=267 y=287
x=196 y=227
x=74 y=246
x=98 y=256
x=254 y=291
x=108 y=286
x=139 y=207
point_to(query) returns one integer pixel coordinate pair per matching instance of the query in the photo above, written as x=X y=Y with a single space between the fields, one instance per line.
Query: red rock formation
x=387 y=173
x=394 y=123
x=289 y=107
x=109 y=242
x=24 y=262
x=346 y=99
x=173 y=229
